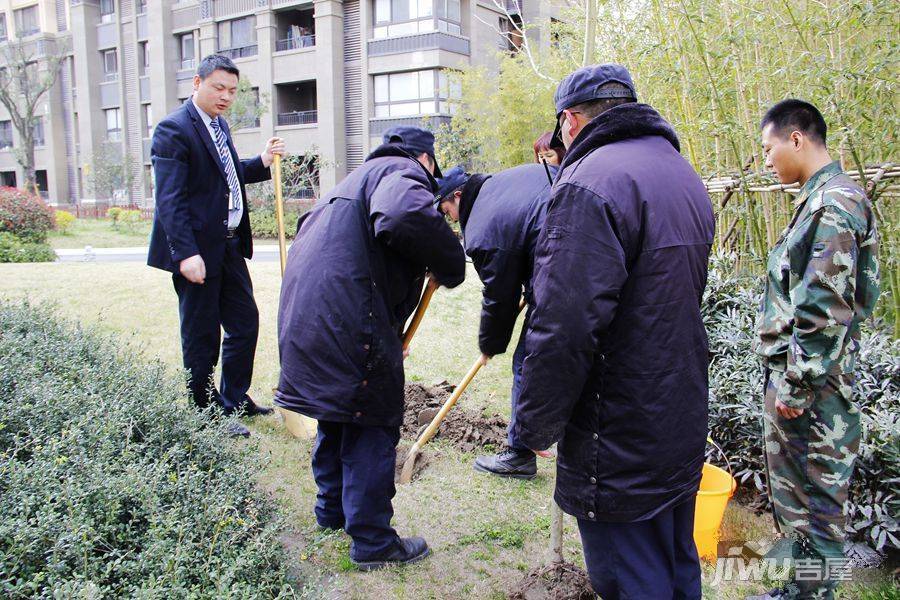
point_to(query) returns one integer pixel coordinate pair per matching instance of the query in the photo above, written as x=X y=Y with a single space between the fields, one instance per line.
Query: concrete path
x=265 y=253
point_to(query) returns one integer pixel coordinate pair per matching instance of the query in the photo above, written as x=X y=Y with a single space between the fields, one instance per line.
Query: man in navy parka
x=354 y=275
x=501 y=217
x=617 y=355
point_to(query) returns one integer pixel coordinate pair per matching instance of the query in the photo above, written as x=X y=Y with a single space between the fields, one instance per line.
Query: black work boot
x=509 y=463
x=404 y=552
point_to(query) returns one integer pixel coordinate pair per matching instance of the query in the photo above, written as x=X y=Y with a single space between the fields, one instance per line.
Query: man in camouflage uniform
x=822 y=281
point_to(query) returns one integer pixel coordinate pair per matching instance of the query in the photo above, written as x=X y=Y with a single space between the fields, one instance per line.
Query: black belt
x=231 y=233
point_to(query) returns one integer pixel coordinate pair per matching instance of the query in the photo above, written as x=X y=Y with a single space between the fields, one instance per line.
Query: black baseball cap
x=449 y=183
x=584 y=85
x=414 y=140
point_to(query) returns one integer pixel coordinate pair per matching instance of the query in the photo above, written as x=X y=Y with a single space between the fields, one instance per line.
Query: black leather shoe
x=250 y=408
x=237 y=430
x=405 y=551
x=509 y=463
x=782 y=593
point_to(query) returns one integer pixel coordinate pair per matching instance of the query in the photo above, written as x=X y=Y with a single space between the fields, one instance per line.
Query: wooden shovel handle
x=420 y=312
x=448 y=404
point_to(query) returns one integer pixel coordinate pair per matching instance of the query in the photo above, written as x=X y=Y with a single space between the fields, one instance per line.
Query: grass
x=484 y=532
x=99 y=233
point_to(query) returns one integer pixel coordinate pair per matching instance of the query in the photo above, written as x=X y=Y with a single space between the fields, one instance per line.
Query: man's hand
x=194 y=269
x=543 y=453
x=483 y=361
x=274 y=146
x=786 y=411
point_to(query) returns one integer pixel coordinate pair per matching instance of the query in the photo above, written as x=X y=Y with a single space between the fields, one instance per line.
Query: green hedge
x=15 y=250
x=735 y=377
x=263 y=223
x=110 y=486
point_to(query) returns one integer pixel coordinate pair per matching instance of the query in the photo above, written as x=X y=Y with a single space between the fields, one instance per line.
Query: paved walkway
x=265 y=253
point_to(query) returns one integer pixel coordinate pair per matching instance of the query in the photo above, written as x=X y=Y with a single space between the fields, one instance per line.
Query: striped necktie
x=227 y=162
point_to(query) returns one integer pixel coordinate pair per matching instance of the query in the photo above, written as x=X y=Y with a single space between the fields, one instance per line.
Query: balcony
x=298 y=117
x=435 y=40
x=109 y=94
x=304 y=41
x=296 y=104
x=107 y=35
x=145 y=88
x=295 y=29
x=143 y=31
x=379 y=126
x=239 y=52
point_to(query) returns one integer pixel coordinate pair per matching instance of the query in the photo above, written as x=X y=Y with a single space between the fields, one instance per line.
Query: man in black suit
x=201 y=233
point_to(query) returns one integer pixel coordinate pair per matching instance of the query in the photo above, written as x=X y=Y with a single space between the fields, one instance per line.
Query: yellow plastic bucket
x=716 y=488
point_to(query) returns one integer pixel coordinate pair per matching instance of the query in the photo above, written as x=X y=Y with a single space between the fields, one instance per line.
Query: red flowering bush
x=24 y=215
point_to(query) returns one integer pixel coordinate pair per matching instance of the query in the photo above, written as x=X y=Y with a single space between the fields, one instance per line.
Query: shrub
x=113 y=214
x=14 y=250
x=24 y=215
x=64 y=220
x=263 y=223
x=110 y=486
x=128 y=219
x=735 y=406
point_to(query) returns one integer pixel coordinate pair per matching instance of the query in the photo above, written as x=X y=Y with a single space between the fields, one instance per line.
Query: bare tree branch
x=520 y=32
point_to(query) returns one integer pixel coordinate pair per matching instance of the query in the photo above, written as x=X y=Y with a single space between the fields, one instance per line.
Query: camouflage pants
x=809 y=460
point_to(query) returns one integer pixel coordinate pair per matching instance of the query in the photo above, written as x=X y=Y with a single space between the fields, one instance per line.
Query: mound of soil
x=558 y=581
x=467 y=430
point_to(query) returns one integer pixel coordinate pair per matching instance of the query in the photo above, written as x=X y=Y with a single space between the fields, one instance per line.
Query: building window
x=255 y=92
x=413 y=93
x=510 y=36
x=8 y=179
x=40 y=180
x=141 y=7
x=186 y=50
x=408 y=17
x=237 y=38
x=107 y=11
x=113 y=124
x=27 y=21
x=38 y=131
x=110 y=65
x=143 y=58
x=148 y=120
x=3 y=34
x=6 y=134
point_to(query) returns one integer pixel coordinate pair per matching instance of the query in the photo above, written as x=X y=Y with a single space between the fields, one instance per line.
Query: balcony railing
x=304 y=41
x=239 y=52
x=298 y=117
x=420 y=41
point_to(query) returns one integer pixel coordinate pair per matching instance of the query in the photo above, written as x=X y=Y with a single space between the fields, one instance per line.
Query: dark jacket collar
x=469 y=194
x=619 y=123
x=395 y=150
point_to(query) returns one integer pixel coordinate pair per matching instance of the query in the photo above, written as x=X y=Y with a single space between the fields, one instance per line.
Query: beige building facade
x=331 y=75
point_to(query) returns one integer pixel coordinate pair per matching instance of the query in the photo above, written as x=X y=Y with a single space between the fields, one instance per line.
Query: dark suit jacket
x=192 y=193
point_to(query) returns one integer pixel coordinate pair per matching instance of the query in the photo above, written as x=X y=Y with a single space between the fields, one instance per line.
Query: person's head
x=215 y=84
x=793 y=140
x=417 y=142
x=587 y=93
x=548 y=150
x=449 y=193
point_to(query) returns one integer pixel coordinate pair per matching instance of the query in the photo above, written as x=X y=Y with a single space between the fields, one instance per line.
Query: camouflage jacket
x=821 y=282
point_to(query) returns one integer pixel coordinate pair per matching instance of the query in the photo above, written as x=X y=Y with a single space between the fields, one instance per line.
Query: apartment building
x=332 y=75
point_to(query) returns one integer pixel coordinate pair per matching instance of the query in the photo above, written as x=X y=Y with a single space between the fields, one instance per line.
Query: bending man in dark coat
x=501 y=217
x=616 y=365
x=354 y=275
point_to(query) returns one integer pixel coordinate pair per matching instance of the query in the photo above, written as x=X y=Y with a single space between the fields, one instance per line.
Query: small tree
x=248 y=106
x=111 y=171
x=28 y=71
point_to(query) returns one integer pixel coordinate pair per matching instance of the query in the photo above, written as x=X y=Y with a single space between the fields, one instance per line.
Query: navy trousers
x=354 y=470
x=221 y=302
x=517 y=360
x=654 y=559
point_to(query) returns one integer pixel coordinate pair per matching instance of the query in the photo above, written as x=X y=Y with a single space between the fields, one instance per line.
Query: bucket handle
x=727 y=462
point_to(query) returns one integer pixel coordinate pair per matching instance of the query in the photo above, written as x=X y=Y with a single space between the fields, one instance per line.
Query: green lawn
x=458 y=511
x=99 y=233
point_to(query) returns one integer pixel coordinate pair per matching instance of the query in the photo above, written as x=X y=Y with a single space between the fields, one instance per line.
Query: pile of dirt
x=467 y=430
x=558 y=581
